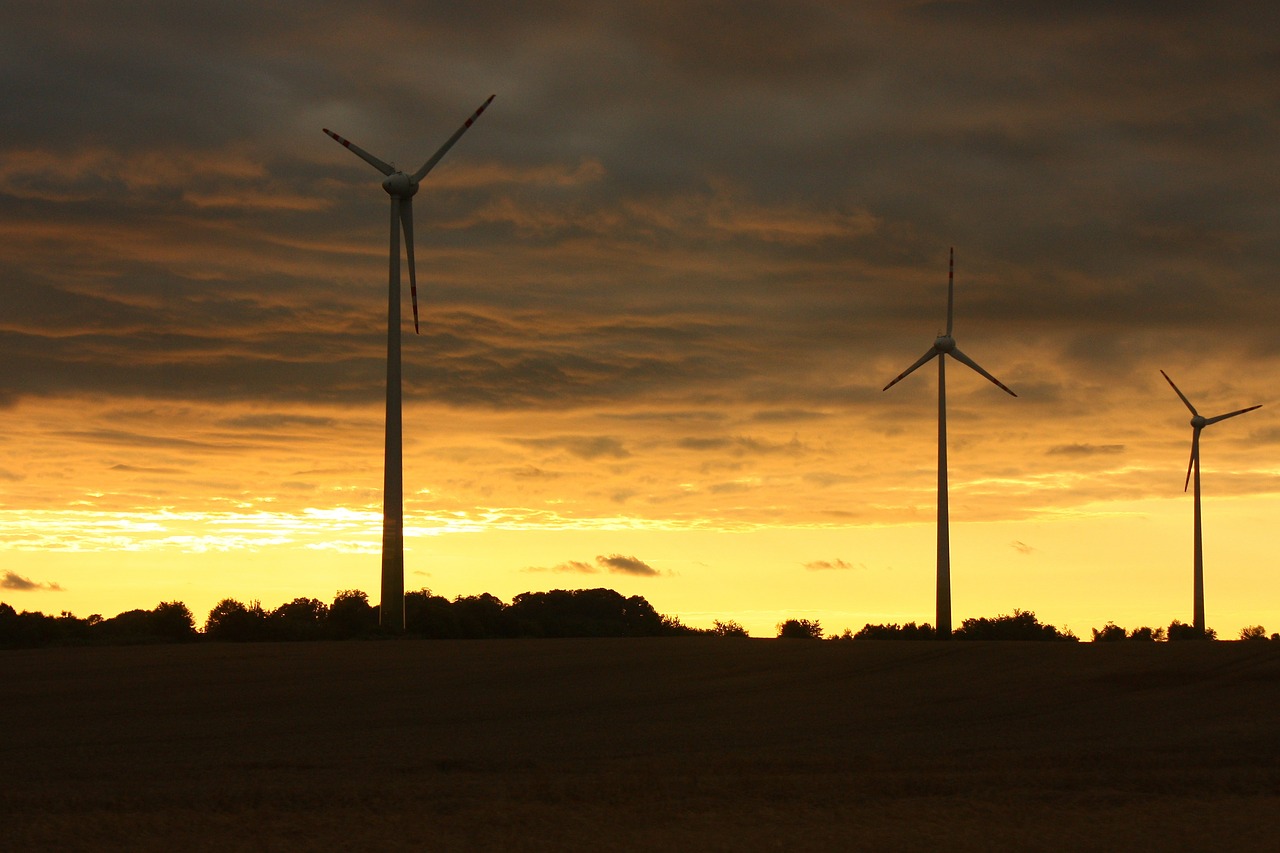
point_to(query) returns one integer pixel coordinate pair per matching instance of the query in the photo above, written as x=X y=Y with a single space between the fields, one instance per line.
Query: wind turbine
x=1198 y=423
x=945 y=345
x=401 y=187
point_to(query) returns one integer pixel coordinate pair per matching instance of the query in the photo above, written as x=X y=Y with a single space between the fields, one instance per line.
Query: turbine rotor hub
x=1198 y=422
x=944 y=343
x=399 y=184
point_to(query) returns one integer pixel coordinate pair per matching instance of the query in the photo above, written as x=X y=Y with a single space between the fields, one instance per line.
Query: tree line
x=1021 y=625
x=556 y=613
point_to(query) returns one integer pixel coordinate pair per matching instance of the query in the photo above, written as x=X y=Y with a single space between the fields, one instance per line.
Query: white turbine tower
x=1198 y=423
x=401 y=187
x=945 y=345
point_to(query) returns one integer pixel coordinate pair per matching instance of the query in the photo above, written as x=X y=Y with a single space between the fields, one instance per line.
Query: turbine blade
x=1231 y=414
x=406 y=222
x=964 y=359
x=361 y=153
x=1194 y=461
x=951 y=288
x=1179 y=393
x=904 y=374
x=435 y=158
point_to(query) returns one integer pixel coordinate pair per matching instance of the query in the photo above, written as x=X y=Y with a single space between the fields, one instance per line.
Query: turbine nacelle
x=400 y=185
x=944 y=343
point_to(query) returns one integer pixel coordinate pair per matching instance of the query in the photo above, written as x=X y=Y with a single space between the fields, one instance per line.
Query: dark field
x=647 y=744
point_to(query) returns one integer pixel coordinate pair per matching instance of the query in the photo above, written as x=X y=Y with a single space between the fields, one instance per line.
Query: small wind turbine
x=401 y=187
x=1198 y=423
x=945 y=345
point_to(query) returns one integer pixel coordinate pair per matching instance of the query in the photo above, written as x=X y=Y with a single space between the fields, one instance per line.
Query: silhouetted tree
x=479 y=616
x=584 y=613
x=1181 y=631
x=800 y=629
x=172 y=621
x=300 y=619
x=350 y=615
x=231 y=621
x=1145 y=634
x=728 y=628
x=1255 y=632
x=29 y=628
x=427 y=615
x=1022 y=625
x=909 y=631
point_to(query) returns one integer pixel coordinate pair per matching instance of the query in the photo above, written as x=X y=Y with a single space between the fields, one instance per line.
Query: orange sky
x=663 y=280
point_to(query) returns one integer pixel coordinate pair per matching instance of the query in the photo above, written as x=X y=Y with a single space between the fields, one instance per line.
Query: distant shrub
x=728 y=629
x=800 y=629
x=1181 y=631
x=894 y=631
x=846 y=634
x=1109 y=633
x=1256 y=632
x=1112 y=632
x=1022 y=625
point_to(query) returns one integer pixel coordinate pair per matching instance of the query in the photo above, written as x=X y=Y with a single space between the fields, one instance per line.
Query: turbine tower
x=1198 y=423
x=945 y=345
x=401 y=187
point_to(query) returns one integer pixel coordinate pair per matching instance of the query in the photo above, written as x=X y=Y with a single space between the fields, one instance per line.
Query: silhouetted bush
x=728 y=628
x=1022 y=625
x=1180 y=631
x=894 y=631
x=1255 y=632
x=1110 y=633
x=846 y=634
x=800 y=629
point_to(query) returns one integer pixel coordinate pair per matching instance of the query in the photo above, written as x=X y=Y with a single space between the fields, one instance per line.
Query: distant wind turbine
x=1198 y=423
x=401 y=187
x=945 y=345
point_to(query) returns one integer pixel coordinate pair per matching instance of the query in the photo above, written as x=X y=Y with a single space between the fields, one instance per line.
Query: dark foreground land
x=647 y=744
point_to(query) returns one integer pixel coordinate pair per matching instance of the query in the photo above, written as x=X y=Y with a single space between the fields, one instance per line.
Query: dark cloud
x=1086 y=450
x=570 y=567
x=18 y=583
x=615 y=563
x=741 y=445
x=627 y=565
x=828 y=565
x=589 y=447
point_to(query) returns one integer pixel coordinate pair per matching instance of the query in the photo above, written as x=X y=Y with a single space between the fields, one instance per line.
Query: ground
x=699 y=744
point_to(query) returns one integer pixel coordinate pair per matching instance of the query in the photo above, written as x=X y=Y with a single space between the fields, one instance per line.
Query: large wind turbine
x=401 y=187
x=1198 y=423
x=945 y=345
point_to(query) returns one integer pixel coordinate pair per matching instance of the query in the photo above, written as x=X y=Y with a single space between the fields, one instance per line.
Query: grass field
x=693 y=744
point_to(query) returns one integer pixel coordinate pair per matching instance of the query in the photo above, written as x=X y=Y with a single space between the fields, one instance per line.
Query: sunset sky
x=663 y=280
